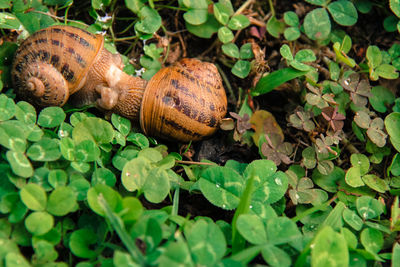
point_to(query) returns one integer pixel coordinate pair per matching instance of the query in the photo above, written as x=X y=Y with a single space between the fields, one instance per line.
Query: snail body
x=185 y=101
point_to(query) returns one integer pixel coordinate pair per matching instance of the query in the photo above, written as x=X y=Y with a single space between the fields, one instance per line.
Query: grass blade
x=268 y=83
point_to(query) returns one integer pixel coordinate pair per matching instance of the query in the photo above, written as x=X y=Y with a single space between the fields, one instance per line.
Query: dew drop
x=223 y=206
x=251 y=206
x=347 y=82
x=218 y=185
x=297 y=196
x=278 y=181
x=128 y=174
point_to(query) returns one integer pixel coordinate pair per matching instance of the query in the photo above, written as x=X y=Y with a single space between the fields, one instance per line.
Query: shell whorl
x=43 y=84
x=52 y=64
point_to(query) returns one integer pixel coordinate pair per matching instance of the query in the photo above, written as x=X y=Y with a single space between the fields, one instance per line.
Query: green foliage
x=81 y=190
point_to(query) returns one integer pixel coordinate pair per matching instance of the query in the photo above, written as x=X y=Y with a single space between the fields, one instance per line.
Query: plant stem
x=243 y=7
x=194 y=162
x=232 y=97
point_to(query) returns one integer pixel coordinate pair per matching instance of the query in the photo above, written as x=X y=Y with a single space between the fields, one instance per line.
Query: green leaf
x=111 y=197
x=156 y=186
x=87 y=151
x=51 y=117
x=135 y=172
x=271 y=81
x=230 y=49
x=135 y=5
x=251 y=228
x=381 y=98
x=45 y=150
x=221 y=186
x=375 y=183
x=281 y=230
x=13 y=135
x=352 y=219
x=318 y=2
x=5 y=4
x=225 y=35
x=138 y=139
x=45 y=251
x=353 y=177
x=95 y=129
x=241 y=68
x=275 y=256
x=238 y=22
x=374 y=56
x=205 y=30
x=61 y=201
x=34 y=197
x=222 y=13
x=123 y=125
x=275 y=27
x=372 y=240
x=360 y=160
x=387 y=71
x=100 y=4
x=343 y=12
x=246 y=51
x=291 y=33
x=9 y=21
x=396 y=254
x=392 y=125
x=395 y=7
x=329 y=249
x=16 y=259
x=329 y=182
x=270 y=186
x=133 y=209
x=317 y=24
x=368 y=207
x=291 y=18
x=39 y=222
x=80 y=187
x=150 y=20
x=176 y=254
x=305 y=55
x=7 y=107
x=81 y=241
x=206 y=243
x=122 y=157
x=196 y=16
x=286 y=53
x=25 y=112
x=20 y=165
x=57 y=178
x=104 y=176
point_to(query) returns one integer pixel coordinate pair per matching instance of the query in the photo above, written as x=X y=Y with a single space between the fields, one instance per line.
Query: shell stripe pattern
x=63 y=47
x=189 y=104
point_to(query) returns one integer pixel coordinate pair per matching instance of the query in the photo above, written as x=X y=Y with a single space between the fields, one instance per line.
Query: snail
x=183 y=102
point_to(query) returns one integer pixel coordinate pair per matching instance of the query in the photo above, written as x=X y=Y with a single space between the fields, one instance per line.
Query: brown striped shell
x=51 y=64
x=185 y=101
x=58 y=61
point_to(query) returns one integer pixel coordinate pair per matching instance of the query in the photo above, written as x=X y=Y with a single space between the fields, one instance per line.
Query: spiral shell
x=185 y=101
x=53 y=63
